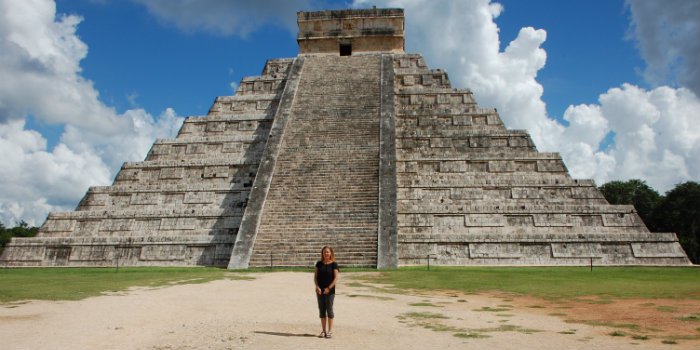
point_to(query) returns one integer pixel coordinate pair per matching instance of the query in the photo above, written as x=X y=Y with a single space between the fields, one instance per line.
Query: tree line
x=22 y=229
x=677 y=211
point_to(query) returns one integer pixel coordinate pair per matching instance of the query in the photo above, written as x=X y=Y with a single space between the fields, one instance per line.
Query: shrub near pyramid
x=355 y=144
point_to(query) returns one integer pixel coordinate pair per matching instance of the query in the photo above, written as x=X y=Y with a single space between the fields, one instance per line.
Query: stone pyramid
x=355 y=144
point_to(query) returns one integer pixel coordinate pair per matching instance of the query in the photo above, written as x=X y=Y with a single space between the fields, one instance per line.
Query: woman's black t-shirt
x=324 y=275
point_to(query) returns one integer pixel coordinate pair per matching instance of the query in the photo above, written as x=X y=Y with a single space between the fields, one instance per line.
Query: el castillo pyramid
x=355 y=144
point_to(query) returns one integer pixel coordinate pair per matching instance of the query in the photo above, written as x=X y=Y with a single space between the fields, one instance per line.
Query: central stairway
x=324 y=188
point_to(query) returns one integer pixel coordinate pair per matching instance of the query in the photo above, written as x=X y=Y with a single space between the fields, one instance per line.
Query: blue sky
x=90 y=84
x=167 y=67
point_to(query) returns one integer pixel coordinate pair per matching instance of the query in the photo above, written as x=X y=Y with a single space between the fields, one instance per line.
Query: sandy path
x=278 y=311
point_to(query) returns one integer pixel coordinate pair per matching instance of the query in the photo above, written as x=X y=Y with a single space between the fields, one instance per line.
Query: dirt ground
x=278 y=311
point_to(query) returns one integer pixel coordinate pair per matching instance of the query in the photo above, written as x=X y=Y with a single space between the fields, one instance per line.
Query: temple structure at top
x=344 y=32
x=356 y=144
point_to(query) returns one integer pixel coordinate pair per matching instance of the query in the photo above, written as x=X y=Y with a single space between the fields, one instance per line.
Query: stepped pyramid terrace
x=356 y=144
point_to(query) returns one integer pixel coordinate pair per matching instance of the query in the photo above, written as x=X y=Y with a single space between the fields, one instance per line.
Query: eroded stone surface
x=373 y=153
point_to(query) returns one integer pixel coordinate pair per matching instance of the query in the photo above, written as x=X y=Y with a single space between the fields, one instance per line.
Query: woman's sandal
x=329 y=334
x=322 y=335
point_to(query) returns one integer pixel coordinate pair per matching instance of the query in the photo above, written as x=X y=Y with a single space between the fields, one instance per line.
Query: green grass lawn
x=79 y=283
x=546 y=282
x=551 y=282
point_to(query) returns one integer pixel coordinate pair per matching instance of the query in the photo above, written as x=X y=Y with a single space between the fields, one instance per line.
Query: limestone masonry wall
x=353 y=144
x=182 y=205
x=471 y=192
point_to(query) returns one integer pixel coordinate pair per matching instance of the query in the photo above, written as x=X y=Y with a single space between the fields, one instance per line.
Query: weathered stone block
x=479 y=120
x=484 y=220
x=415 y=220
x=92 y=253
x=519 y=220
x=171 y=173
x=525 y=166
x=215 y=126
x=199 y=198
x=586 y=192
x=526 y=193
x=453 y=166
x=216 y=172
x=658 y=250
x=553 y=220
x=553 y=165
x=501 y=166
x=128 y=175
x=440 y=142
x=163 y=252
x=480 y=141
x=178 y=224
x=54 y=225
x=116 y=224
x=146 y=225
x=462 y=120
x=145 y=198
x=448 y=223
x=619 y=219
x=576 y=250
x=467 y=193
x=494 y=250
x=587 y=220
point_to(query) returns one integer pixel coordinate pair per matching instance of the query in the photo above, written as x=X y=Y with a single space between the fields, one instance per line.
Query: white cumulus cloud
x=667 y=34
x=40 y=56
x=656 y=132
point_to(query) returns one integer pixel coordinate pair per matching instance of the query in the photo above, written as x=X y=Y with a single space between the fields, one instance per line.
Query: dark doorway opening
x=345 y=49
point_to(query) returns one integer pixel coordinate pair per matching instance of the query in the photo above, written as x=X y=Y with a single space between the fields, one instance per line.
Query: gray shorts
x=325 y=305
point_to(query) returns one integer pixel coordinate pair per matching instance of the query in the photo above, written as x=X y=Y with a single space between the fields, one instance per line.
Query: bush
x=21 y=230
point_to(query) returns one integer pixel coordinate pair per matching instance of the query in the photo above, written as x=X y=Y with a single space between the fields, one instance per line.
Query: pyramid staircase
x=324 y=189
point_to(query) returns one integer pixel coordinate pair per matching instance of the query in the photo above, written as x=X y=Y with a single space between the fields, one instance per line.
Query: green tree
x=4 y=236
x=679 y=212
x=635 y=192
x=21 y=230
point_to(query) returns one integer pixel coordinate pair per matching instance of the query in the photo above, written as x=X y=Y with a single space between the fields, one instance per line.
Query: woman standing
x=325 y=278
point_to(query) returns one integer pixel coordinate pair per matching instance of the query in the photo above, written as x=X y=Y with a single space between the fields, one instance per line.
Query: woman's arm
x=336 y=275
x=318 y=290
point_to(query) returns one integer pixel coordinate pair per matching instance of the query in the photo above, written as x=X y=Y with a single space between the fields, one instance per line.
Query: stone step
x=308 y=243
x=229 y=117
x=135 y=239
x=212 y=139
x=278 y=229
x=138 y=213
x=326 y=176
x=493 y=180
x=408 y=207
x=294 y=261
x=477 y=178
x=458 y=131
x=218 y=161
x=480 y=154
x=246 y=98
